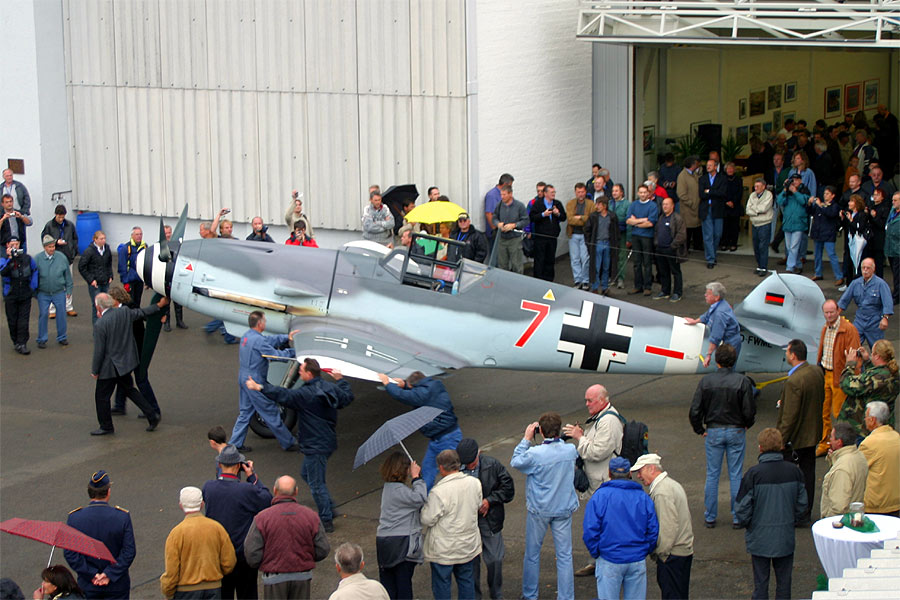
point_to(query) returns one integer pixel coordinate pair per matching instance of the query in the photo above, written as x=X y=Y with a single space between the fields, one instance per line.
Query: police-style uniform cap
x=230 y=456
x=646 y=459
x=47 y=240
x=467 y=450
x=99 y=479
x=619 y=465
x=190 y=498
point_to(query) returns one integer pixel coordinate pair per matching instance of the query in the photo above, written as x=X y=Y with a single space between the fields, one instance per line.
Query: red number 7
x=542 y=311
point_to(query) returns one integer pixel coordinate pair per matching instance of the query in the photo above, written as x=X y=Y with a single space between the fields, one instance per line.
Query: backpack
x=635 y=439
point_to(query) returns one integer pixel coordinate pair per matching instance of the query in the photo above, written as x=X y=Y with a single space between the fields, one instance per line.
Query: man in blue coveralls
x=252 y=364
x=719 y=317
x=443 y=431
x=873 y=300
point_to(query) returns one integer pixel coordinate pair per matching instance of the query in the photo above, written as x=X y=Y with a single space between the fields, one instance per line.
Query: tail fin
x=781 y=308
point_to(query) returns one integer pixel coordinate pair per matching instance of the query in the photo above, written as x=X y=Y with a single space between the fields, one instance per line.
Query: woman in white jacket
x=761 y=212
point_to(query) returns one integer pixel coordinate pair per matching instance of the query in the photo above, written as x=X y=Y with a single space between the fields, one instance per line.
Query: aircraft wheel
x=259 y=427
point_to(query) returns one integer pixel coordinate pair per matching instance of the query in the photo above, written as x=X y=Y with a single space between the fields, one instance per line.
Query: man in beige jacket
x=882 y=451
x=687 y=187
x=354 y=585
x=597 y=445
x=674 y=551
x=845 y=481
x=450 y=519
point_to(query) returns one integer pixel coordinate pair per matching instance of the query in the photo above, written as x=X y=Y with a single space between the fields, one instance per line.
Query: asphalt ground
x=47 y=456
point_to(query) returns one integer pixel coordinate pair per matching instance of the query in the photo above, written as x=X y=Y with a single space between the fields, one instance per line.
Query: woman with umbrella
x=398 y=540
x=57 y=583
x=857 y=225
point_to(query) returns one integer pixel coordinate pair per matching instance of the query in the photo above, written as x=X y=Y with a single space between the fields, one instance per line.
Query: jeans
x=602 y=271
x=59 y=300
x=643 y=261
x=447 y=441
x=712 y=235
x=579 y=258
x=761 y=238
x=730 y=441
x=792 y=240
x=783 y=565
x=535 y=529
x=313 y=473
x=832 y=258
x=69 y=301
x=441 y=580
x=93 y=291
x=611 y=577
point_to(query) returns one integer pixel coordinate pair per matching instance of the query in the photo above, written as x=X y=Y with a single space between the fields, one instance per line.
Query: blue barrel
x=86 y=224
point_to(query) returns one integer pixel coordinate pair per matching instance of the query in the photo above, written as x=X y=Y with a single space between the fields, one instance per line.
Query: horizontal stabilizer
x=781 y=308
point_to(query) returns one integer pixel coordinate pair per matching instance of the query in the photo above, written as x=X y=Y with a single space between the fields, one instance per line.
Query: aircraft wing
x=371 y=349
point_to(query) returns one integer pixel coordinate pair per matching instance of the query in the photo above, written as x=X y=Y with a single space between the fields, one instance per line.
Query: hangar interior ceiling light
x=848 y=23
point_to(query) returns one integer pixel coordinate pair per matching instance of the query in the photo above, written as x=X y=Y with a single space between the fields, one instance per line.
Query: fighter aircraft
x=372 y=307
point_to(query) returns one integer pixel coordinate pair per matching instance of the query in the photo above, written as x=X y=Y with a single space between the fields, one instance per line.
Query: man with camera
x=795 y=219
x=12 y=222
x=550 y=499
x=20 y=280
x=259 y=233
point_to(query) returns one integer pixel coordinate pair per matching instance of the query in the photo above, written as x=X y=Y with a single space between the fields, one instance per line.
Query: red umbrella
x=55 y=533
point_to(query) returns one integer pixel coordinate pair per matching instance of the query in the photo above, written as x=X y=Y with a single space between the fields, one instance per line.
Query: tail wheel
x=259 y=427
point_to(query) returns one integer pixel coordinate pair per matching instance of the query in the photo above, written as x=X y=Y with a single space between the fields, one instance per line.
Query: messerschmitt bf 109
x=365 y=305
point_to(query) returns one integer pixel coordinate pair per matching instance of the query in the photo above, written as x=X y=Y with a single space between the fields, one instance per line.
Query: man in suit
x=712 y=210
x=800 y=416
x=112 y=526
x=116 y=356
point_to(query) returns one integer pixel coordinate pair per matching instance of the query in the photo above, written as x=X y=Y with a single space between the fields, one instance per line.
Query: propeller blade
x=165 y=255
x=178 y=232
x=151 y=336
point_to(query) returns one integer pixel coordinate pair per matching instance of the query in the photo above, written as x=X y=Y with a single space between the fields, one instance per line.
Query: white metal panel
x=385 y=140
x=612 y=139
x=283 y=155
x=90 y=25
x=183 y=44
x=141 y=150
x=383 y=46
x=331 y=46
x=439 y=147
x=96 y=149
x=231 y=35
x=438 y=47
x=137 y=43
x=336 y=192
x=280 y=46
x=234 y=135
x=185 y=129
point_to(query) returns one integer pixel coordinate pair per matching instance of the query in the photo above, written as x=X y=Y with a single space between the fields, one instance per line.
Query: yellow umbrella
x=435 y=212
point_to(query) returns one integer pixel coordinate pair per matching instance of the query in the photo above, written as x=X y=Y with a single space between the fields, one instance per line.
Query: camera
x=16 y=252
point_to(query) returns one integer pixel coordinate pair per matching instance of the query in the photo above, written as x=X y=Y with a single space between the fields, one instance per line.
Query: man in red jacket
x=284 y=542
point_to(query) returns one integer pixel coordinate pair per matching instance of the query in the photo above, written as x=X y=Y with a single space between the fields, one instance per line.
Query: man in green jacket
x=54 y=286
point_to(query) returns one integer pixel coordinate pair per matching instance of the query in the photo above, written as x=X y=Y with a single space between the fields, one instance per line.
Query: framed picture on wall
x=776 y=120
x=757 y=102
x=741 y=135
x=767 y=128
x=756 y=130
x=697 y=124
x=742 y=108
x=790 y=91
x=852 y=97
x=833 y=101
x=870 y=93
x=774 y=97
x=787 y=116
x=649 y=137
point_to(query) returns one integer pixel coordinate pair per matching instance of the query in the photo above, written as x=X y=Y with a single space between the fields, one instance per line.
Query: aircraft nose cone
x=152 y=270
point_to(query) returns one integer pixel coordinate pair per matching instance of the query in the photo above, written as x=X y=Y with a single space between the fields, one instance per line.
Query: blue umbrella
x=393 y=432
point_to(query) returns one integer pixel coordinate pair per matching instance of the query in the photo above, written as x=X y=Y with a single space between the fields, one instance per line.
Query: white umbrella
x=857 y=242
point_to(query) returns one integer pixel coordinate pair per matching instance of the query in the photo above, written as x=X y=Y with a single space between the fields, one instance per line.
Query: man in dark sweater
x=234 y=503
x=545 y=218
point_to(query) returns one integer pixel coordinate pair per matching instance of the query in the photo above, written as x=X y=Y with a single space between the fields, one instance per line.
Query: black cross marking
x=594 y=343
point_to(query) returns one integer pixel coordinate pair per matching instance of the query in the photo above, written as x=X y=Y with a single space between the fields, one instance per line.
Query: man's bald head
x=285 y=486
x=596 y=391
x=596 y=398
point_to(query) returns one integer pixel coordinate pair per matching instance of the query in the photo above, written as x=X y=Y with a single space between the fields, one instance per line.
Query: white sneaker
x=842 y=288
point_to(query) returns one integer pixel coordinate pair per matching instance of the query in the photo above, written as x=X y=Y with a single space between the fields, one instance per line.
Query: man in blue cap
x=620 y=530
x=112 y=526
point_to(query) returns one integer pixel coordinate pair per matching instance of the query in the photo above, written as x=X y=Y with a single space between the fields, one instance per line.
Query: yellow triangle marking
x=549 y=296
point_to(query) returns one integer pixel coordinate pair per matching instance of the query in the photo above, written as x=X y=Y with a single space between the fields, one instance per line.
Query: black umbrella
x=393 y=432
x=394 y=198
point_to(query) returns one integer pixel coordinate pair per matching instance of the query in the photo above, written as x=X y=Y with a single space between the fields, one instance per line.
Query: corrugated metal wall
x=236 y=102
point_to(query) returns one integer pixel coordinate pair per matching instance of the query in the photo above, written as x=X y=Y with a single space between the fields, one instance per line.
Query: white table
x=840 y=548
